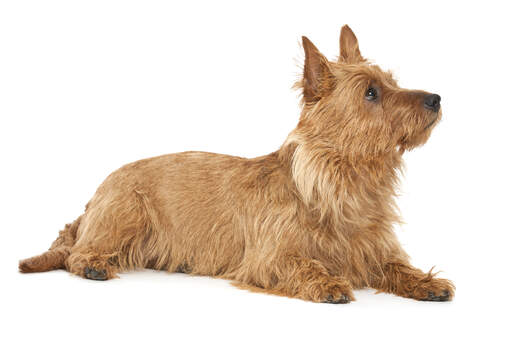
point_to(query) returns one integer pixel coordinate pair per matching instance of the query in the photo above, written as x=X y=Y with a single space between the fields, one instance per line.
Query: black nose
x=432 y=102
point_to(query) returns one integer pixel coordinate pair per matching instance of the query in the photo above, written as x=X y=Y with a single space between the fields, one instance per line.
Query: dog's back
x=192 y=212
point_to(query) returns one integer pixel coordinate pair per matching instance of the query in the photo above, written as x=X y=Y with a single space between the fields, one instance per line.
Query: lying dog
x=312 y=220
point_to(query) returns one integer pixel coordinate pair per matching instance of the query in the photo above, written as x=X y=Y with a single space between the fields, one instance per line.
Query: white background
x=88 y=86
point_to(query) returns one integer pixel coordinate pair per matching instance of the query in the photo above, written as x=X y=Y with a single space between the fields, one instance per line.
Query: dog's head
x=358 y=108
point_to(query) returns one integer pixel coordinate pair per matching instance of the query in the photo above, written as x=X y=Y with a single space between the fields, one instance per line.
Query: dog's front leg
x=404 y=280
x=308 y=279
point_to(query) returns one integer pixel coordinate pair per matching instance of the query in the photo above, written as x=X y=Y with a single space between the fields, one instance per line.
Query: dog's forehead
x=370 y=72
x=384 y=76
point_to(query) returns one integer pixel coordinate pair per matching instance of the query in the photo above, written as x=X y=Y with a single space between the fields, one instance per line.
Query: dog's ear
x=318 y=80
x=349 y=47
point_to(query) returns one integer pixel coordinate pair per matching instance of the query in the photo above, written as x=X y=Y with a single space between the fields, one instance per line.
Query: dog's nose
x=432 y=102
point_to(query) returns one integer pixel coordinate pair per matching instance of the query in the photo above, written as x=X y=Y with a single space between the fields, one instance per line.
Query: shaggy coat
x=313 y=220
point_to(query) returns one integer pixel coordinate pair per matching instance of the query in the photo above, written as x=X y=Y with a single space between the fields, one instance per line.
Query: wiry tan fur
x=313 y=220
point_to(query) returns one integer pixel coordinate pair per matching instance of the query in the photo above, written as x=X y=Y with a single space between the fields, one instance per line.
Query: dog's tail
x=55 y=257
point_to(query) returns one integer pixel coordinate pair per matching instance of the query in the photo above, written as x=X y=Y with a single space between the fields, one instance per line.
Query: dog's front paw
x=334 y=292
x=343 y=299
x=436 y=290
x=443 y=297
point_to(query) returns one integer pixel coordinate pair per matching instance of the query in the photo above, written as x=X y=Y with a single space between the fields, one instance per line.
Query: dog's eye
x=371 y=94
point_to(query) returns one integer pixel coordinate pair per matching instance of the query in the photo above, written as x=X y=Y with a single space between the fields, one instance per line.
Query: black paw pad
x=94 y=274
x=343 y=299
x=443 y=297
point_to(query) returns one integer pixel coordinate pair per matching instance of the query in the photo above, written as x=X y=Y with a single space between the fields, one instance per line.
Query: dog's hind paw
x=93 y=274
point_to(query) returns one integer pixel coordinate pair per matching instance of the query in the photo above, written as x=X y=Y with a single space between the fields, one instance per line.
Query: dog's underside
x=313 y=220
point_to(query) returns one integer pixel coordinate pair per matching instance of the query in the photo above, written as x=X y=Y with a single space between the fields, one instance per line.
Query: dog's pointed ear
x=349 y=47
x=318 y=80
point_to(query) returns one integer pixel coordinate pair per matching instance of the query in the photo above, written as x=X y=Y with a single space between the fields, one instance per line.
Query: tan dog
x=312 y=220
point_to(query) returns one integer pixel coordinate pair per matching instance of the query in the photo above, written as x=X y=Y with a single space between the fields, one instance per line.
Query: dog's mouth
x=431 y=123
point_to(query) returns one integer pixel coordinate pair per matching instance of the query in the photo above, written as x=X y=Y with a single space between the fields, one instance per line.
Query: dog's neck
x=356 y=194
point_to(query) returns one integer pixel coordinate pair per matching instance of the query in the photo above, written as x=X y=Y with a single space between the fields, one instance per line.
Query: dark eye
x=371 y=94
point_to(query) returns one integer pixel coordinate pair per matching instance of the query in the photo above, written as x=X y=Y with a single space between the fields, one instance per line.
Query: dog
x=313 y=220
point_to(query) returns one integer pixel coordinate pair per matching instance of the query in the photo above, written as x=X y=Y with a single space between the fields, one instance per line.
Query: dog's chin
x=417 y=140
x=434 y=120
x=431 y=124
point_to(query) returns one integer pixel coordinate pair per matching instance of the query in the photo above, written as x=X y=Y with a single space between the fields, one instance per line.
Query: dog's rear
x=56 y=256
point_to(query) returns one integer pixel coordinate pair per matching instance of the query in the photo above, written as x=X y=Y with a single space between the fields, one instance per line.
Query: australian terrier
x=313 y=220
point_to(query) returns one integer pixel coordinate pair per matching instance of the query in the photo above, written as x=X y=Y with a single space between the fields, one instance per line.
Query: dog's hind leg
x=100 y=256
x=92 y=264
x=114 y=236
